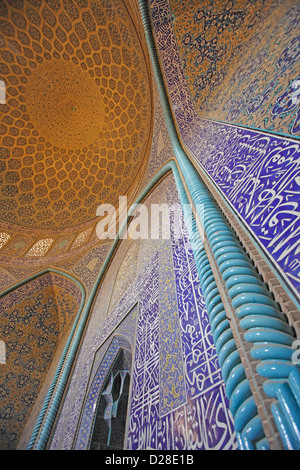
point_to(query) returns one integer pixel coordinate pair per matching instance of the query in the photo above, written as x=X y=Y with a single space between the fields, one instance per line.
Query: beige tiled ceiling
x=75 y=126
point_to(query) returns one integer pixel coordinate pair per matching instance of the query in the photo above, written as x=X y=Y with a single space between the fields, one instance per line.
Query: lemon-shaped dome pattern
x=75 y=126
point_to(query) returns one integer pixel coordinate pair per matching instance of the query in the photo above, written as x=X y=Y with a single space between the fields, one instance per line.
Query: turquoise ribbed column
x=254 y=308
x=260 y=316
x=247 y=422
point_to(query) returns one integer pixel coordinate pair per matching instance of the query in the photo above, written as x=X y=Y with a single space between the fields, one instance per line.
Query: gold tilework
x=65 y=104
x=75 y=127
x=4 y=237
x=35 y=321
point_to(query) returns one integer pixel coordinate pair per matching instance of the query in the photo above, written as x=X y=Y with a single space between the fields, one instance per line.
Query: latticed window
x=110 y=422
x=82 y=238
x=40 y=248
x=4 y=237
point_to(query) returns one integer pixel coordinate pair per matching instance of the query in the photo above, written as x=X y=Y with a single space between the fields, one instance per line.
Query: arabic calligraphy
x=257 y=173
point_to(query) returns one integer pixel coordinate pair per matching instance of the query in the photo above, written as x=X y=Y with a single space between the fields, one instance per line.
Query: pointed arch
x=118 y=344
x=37 y=314
x=48 y=270
x=125 y=274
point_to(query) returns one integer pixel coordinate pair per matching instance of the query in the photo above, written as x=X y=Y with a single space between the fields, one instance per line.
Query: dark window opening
x=110 y=423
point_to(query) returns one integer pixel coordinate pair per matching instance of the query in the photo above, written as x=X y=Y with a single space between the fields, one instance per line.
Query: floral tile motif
x=241 y=60
x=34 y=318
x=256 y=172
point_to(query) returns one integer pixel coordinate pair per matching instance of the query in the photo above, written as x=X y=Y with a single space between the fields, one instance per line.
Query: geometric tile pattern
x=177 y=398
x=75 y=126
x=34 y=318
x=89 y=411
x=109 y=354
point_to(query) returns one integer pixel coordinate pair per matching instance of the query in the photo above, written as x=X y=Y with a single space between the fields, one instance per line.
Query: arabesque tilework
x=34 y=318
x=75 y=127
x=256 y=172
x=104 y=359
x=241 y=60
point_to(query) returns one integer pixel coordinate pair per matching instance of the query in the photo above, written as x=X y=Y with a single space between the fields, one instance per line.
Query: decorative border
x=39 y=280
x=223 y=262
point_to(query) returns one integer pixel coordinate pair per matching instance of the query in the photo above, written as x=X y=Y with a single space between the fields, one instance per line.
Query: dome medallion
x=75 y=129
x=65 y=104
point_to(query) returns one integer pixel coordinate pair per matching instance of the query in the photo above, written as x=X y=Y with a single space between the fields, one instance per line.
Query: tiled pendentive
x=35 y=321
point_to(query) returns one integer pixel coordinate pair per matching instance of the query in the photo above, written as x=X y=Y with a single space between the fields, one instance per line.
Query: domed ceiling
x=76 y=123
